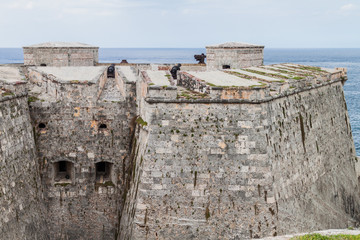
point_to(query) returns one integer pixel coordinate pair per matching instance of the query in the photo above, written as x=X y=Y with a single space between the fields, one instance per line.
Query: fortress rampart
x=234 y=153
x=21 y=197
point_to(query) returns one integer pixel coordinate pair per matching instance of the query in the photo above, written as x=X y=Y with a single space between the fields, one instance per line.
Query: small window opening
x=63 y=171
x=103 y=126
x=103 y=172
x=62 y=166
x=42 y=125
x=43 y=65
x=226 y=67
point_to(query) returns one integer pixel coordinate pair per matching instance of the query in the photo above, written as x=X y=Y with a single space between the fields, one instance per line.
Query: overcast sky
x=181 y=23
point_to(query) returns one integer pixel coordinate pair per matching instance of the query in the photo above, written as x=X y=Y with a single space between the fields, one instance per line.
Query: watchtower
x=234 y=55
x=61 y=54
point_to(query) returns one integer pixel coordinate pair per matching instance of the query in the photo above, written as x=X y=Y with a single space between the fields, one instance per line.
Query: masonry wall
x=139 y=144
x=83 y=206
x=60 y=57
x=204 y=172
x=313 y=156
x=234 y=57
x=240 y=171
x=22 y=208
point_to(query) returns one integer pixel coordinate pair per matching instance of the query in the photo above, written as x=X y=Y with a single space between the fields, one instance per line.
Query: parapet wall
x=23 y=213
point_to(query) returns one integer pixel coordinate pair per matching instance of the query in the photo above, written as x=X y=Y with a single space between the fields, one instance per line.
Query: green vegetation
x=259 y=86
x=266 y=74
x=61 y=184
x=311 y=68
x=7 y=94
x=140 y=121
x=317 y=236
x=32 y=99
x=210 y=84
x=298 y=78
x=188 y=94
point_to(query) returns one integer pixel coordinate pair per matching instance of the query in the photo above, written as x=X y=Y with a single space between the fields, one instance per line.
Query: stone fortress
x=229 y=150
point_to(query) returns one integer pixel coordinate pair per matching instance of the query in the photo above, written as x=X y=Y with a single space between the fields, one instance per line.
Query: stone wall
x=87 y=126
x=234 y=57
x=313 y=156
x=122 y=159
x=60 y=57
x=243 y=170
x=22 y=207
x=204 y=172
x=139 y=144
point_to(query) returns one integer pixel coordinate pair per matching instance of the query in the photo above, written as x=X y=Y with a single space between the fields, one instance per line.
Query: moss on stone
x=7 y=94
x=317 y=236
x=32 y=99
x=141 y=122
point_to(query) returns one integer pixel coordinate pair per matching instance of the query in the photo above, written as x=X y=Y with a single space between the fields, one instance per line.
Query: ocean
x=321 y=57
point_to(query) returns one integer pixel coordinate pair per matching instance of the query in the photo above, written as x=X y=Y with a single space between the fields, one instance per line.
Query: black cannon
x=200 y=58
x=111 y=71
x=174 y=70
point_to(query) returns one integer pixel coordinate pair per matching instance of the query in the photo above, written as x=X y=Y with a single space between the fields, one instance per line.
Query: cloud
x=348 y=7
x=21 y=5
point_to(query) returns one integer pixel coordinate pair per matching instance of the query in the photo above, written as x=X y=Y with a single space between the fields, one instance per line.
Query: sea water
x=323 y=57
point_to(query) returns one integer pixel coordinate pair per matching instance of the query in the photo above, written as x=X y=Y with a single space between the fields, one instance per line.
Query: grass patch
x=267 y=74
x=317 y=236
x=298 y=78
x=32 y=99
x=311 y=68
x=141 y=121
x=7 y=94
x=259 y=86
x=211 y=84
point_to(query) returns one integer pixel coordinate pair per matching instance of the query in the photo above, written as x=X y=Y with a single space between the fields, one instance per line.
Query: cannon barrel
x=200 y=58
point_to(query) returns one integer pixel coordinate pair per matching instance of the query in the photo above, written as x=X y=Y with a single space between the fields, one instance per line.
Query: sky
x=182 y=23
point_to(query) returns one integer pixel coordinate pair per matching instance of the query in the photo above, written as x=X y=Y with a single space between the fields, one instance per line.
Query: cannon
x=200 y=58
x=111 y=71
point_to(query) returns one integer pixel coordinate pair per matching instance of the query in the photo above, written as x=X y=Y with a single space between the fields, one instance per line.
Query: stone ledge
x=237 y=101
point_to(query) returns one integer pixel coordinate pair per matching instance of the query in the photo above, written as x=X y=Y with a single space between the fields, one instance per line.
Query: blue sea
x=322 y=57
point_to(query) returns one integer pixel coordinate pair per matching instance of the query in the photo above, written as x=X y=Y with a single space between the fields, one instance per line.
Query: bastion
x=237 y=153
